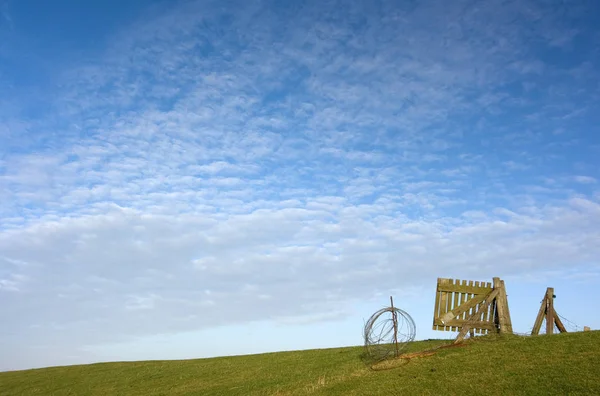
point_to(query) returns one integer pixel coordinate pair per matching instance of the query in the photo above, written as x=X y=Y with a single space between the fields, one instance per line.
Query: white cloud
x=268 y=262
x=8 y=285
x=585 y=179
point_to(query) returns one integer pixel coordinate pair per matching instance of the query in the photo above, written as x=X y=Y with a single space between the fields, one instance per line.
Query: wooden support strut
x=537 y=325
x=548 y=312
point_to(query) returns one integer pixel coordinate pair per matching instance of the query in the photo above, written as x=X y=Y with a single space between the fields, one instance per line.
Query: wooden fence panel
x=458 y=302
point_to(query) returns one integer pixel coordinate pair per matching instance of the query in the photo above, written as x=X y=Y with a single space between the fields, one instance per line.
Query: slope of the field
x=558 y=364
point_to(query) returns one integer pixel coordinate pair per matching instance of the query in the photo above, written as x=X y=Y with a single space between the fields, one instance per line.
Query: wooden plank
x=464 y=288
x=494 y=314
x=499 y=304
x=466 y=307
x=502 y=307
x=559 y=323
x=537 y=325
x=448 y=300
x=474 y=324
x=456 y=301
x=485 y=314
x=463 y=299
x=507 y=319
x=484 y=318
x=443 y=300
x=476 y=309
x=450 y=303
x=436 y=308
x=471 y=295
x=491 y=311
x=550 y=310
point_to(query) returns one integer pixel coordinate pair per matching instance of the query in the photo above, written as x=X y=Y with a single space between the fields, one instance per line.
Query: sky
x=184 y=179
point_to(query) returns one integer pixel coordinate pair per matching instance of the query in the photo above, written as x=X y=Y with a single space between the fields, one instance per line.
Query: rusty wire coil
x=387 y=333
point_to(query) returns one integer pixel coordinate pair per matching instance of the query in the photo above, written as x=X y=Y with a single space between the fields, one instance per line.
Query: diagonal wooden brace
x=482 y=307
x=463 y=308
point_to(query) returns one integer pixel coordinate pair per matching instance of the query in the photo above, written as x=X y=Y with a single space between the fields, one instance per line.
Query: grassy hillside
x=558 y=364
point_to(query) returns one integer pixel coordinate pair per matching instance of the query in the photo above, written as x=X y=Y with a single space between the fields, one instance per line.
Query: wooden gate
x=468 y=306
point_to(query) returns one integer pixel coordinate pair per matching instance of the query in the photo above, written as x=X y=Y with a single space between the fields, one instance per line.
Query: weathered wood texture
x=472 y=323
x=504 y=320
x=548 y=312
x=478 y=307
x=537 y=325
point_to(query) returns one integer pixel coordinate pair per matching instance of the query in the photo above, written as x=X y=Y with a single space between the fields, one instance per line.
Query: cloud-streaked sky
x=196 y=178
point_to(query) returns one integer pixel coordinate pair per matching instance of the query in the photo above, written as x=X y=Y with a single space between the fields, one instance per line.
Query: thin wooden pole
x=395 y=319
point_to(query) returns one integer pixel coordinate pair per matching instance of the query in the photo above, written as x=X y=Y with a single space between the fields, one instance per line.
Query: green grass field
x=564 y=364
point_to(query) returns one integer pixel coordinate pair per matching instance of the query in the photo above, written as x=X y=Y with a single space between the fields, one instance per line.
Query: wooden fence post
x=550 y=310
x=504 y=321
x=547 y=310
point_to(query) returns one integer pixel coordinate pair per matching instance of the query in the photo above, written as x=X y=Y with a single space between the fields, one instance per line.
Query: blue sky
x=197 y=178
